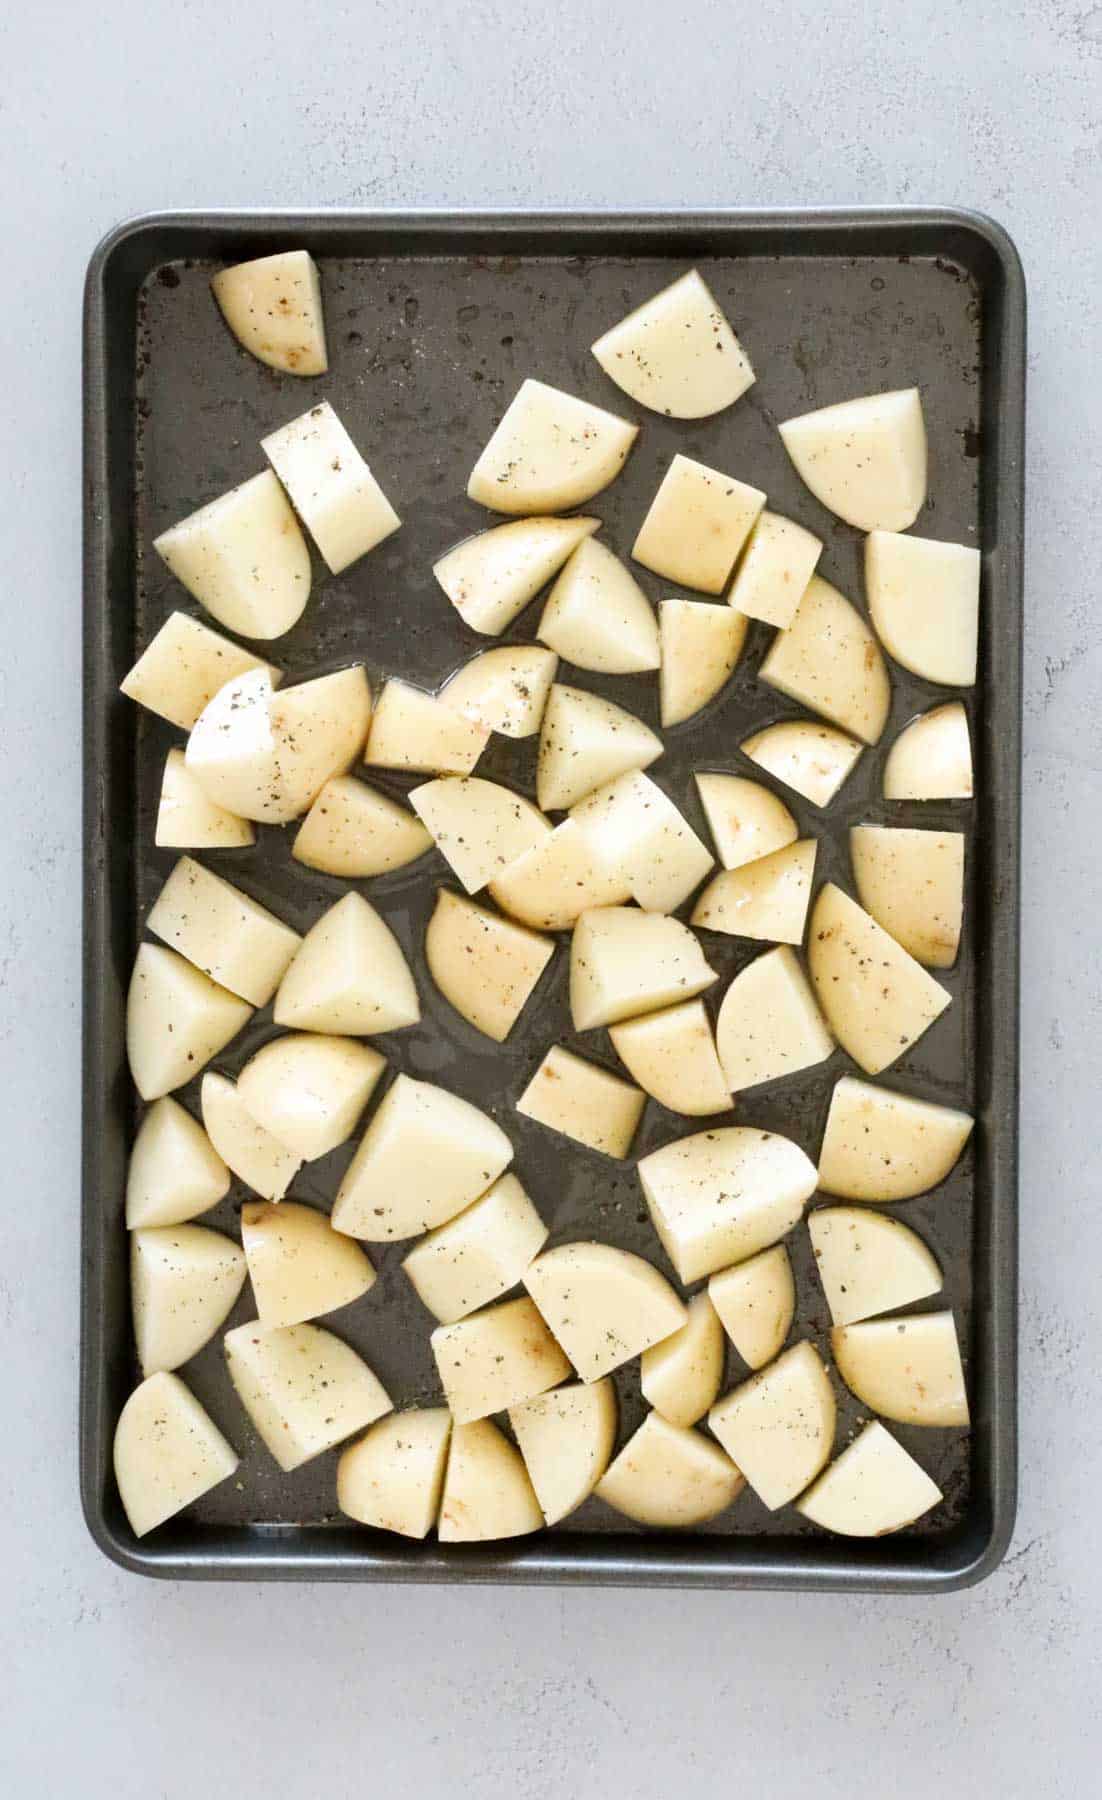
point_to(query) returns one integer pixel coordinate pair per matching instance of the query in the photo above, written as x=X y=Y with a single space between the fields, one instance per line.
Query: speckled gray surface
x=117 y=1687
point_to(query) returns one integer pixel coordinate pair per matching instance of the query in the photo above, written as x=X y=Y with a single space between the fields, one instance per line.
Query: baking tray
x=433 y=319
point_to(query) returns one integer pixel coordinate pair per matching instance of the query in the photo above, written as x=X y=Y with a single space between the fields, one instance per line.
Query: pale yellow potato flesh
x=232 y=938
x=504 y=689
x=924 y=600
x=869 y=1263
x=865 y=459
x=551 y=451
x=566 y=1438
x=779 y=1425
x=478 y=826
x=583 y=1102
x=486 y=966
x=175 y=1172
x=907 y=1369
x=487 y=1493
x=255 y=1156
x=355 y=831
x=877 y=999
x=766 y=899
x=177 y=1018
x=912 y=883
x=168 y=1452
x=756 y=1303
x=746 y=820
x=309 y=1089
x=603 y=1305
x=774 y=569
x=496 y=1358
x=811 y=758
x=184 y=666
x=563 y=877
x=672 y=1056
x=769 y=1024
x=267 y=755
x=882 y=1146
x=598 y=617
x=393 y=1477
x=696 y=525
x=700 y=644
x=420 y=733
x=677 y=353
x=300 y=1268
x=681 y=1376
x=624 y=962
x=188 y=820
x=642 y=834
x=304 y=1389
x=829 y=661
x=244 y=558
x=479 y=1255
x=184 y=1282
x=585 y=742
x=334 y=492
x=872 y=1489
x=273 y=306
x=719 y=1196
x=349 y=976
x=669 y=1476
x=491 y=577
x=931 y=758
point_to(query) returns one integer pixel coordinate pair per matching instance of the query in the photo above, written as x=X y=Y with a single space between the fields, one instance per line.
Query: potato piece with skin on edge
x=354 y=830
x=561 y=878
x=810 y=757
x=582 y=1101
x=924 y=601
x=664 y=354
x=551 y=451
x=931 y=758
x=487 y=1493
x=300 y=1268
x=603 y=1305
x=392 y=1478
x=184 y=666
x=912 y=883
x=177 y=1018
x=907 y=1369
x=304 y=1389
x=175 y=1173
x=479 y=1255
x=779 y=1425
x=755 y=1302
x=624 y=962
x=168 y=1452
x=188 y=820
x=864 y=459
x=682 y=1375
x=643 y=835
x=667 y=1475
x=882 y=1146
x=828 y=660
x=273 y=306
x=774 y=569
x=598 y=617
x=255 y=1156
x=869 y=1263
x=224 y=932
x=243 y=557
x=719 y=1196
x=492 y=577
x=672 y=1056
x=769 y=1023
x=418 y=732
x=487 y=967
x=566 y=1438
x=504 y=689
x=766 y=899
x=184 y=1282
x=496 y=1358
x=696 y=525
x=349 y=976
x=872 y=1489
x=585 y=742
x=334 y=492
x=700 y=646
x=478 y=826
x=746 y=820
x=876 y=998
x=309 y=1089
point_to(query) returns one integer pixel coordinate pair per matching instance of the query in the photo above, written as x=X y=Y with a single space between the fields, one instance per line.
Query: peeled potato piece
x=244 y=558
x=672 y=1055
x=490 y=578
x=604 y=1305
x=478 y=1256
x=664 y=354
x=495 y=1359
x=811 y=758
x=877 y=999
x=681 y=1376
x=355 y=831
x=642 y=834
x=566 y=1439
x=883 y=1146
x=700 y=645
x=487 y=1493
x=585 y=742
x=175 y=1172
x=756 y=1303
x=873 y=1488
x=309 y=1090
x=187 y=820
x=550 y=451
x=865 y=459
x=565 y=875
x=425 y=1155
x=924 y=600
x=184 y=666
x=931 y=758
x=486 y=966
x=912 y=882
x=829 y=660
x=774 y=569
x=334 y=492
x=869 y=1263
x=348 y=976
x=272 y=304
x=583 y=1102
x=744 y=818
x=624 y=962
x=766 y=899
x=666 y=1475
x=184 y=1281
x=394 y=1476
x=779 y=1425
x=505 y=689
x=266 y=755
x=769 y=1024
x=907 y=1369
x=478 y=826
x=299 y=1266
x=717 y=1197
x=304 y=1389
x=697 y=523
x=255 y=1156
x=420 y=732
x=233 y=939
x=598 y=617
x=168 y=1452
x=177 y=1018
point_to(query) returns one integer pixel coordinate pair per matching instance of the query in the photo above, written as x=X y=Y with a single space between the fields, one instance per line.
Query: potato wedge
x=779 y=1425
x=175 y=1172
x=496 y=1358
x=414 y=731
x=255 y=1156
x=717 y=1197
x=334 y=492
x=664 y=353
x=865 y=459
x=598 y=617
x=185 y=665
x=585 y=742
x=624 y=962
x=746 y=821
x=877 y=999
x=184 y=1282
x=232 y=938
x=912 y=883
x=177 y=1018
x=756 y=1304
x=561 y=878
x=682 y=1375
x=505 y=689
x=187 y=820
x=811 y=758
x=272 y=304
x=641 y=833
x=769 y=1024
x=487 y=1493
x=566 y=1439
x=479 y=827
x=873 y=1488
x=931 y=758
x=766 y=899
x=551 y=451
x=244 y=558
x=491 y=578
x=267 y=755
x=883 y=1146
x=666 y=1475
x=349 y=976
x=829 y=661
x=603 y=1305
x=924 y=600
x=908 y=1369
x=355 y=831
x=393 y=1476
x=583 y=1102
x=300 y=1268
x=310 y=1090
x=168 y=1453
x=486 y=966
x=304 y=1389
x=869 y=1263
x=672 y=1056
x=696 y=525
x=700 y=645
x=774 y=569
x=479 y=1255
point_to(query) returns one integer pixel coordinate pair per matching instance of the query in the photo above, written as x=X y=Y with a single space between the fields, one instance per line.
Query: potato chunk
x=394 y=1476
x=175 y=1172
x=244 y=558
x=931 y=758
x=717 y=1197
x=666 y=1475
x=779 y=1425
x=349 y=976
x=491 y=578
x=188 y=820
x=769 y=1024
x=583 y=1102
x=865 y=459
x=700 y=645
x=869 y=1263
x=681 y=1376
x=255 y=1156
x=168 y=1452
x=873 y=1488
x=677 y=352
x=756 y=1304
x=774 y=569
x=184 y=1282
x=304 y=1389
x=334 y=492
x=765 y=899
x=232 y=938
x=746 y=821
x=672 y=1055
x=551 y=451
x=422 y=733
x=487 y=1493
x=177 y=1018
x=829 y=660
x=912 y=882
x=883 y=1146
x=565 y=875
x=908 y=1369
x=355 y=831
x=624 y=962
x=486 y=966
x=309 y=1090
x=479 y=827
x=479 y=1255
x=300 y=1268
x=598 y=617
x=697 y=523
x=185 y=665
x=585 y=742
x=641 y=833
x=566 y=1439
x=604 y=1305
x=924 y=600
x=811 y=758
x=267 y=756
x=272 y=304
x=877 y=999
x=495 y=1359
x=504 y=689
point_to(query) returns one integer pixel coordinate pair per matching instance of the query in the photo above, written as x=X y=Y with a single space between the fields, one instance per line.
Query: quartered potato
x=177 y=1018
x=255 y=1156
x=931 y=758
x=184 y=1281
x=908 y=1369
x=865 y=459
x=425 y=1155
x=334 y=492
x=719 y=1196
x=677 y=353
x=300 y=1268
x=348 y=977
x=883 y=1146
x=175 y=1172
x=924 y=600
x=587 y=741
x=168 y=1452
x=583 y=1102
x=188 y=820
x=774 y=569
x=504 y=689
x=304 y=1389
x=912 y=882
x=700 y=645
x=873 y=1488
x=565 y=875
x=641 y=833
x=603 y=1305
x=779 y=1425
x=355 y=831
x=765 y=899
x=598 y=617
x=478 y=826
x=551 y=451
x=244 y=558
x=769 y=1024
x=667 y=1475
x=487 y=1493
x=232 y=938
x=490 y=578
x=272 y=304
x=184 y=666
x=420 y=733
x=682 y=1375
x=394 y=1476
x=267 y=755
x=624 y=962
x=829 y=660
x=756 y=1302
x=811 y=758
x=309 y=1090
x=697 y=523
x=566 y=1439
x=479 y=1255
x=746 y=821
x=672 y=1055
x=496 y=1358
x=486 y=966
x=877 y=999
x=869 y=1263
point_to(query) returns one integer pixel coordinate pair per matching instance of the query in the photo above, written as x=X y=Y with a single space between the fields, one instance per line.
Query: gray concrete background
x=111 y=1686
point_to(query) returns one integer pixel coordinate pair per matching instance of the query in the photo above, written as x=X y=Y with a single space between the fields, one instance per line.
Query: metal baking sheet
x=433 y=320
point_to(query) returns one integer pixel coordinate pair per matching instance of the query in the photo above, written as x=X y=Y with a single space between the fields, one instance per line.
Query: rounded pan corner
x=124 y=1553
